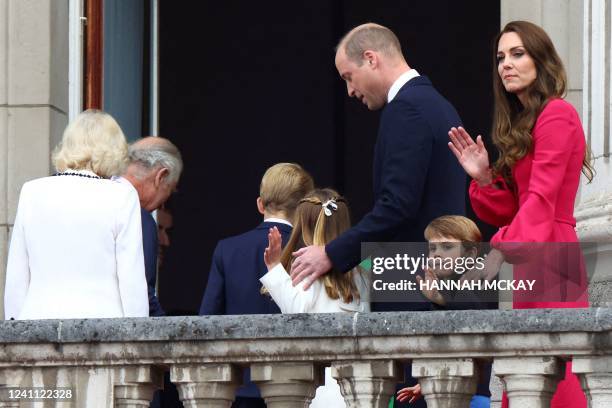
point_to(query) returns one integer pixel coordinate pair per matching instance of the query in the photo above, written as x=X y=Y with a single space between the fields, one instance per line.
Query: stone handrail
x=120 y=362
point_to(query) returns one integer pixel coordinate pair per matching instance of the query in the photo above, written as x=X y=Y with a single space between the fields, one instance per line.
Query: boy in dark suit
x=233 y=282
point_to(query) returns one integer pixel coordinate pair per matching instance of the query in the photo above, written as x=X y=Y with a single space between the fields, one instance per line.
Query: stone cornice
x=299 y=326
x=304 y=337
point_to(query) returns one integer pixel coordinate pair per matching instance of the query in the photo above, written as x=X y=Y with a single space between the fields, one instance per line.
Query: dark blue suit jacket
x=416 y=177
x=150 y=248
x=233 y=281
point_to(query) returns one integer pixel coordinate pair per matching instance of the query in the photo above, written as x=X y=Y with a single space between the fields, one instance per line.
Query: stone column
x=367 y=383
x=206 y=385
x=446 y=383
x=286 y=384
x=10 y=378
x=594 y=211
x=529 y=381
x=135 y=385
x=595 y=373
x=33 y=99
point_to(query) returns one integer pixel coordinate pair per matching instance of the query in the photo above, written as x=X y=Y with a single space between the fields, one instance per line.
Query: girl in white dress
x=320 y=217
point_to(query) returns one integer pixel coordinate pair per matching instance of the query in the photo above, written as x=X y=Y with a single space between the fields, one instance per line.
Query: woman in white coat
x=76 y=246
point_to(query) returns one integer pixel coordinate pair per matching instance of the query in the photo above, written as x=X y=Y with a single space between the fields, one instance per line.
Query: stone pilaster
x=286 y=384
x=529 y=381
x=594 y=212
x=367 y=383
x=446 y=383
x=33 y=99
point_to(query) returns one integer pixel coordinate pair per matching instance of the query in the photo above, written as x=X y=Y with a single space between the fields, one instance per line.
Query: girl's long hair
x=313 y=227
x=513 y=122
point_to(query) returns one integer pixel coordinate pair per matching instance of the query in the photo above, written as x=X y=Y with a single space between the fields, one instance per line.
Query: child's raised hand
x=272 y=253
x=414 y=393
x=430 y=293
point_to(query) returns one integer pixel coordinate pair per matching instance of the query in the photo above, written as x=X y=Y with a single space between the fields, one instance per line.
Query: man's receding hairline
x=151 y=141
x=388 y=49
x=355 y=30
x=151 y=153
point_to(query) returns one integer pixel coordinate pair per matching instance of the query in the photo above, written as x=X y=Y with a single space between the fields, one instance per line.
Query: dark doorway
x=244 y=85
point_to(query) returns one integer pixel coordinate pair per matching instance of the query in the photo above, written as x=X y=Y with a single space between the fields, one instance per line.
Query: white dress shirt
x=76 y=251
x=278 y=221
x=401 y=81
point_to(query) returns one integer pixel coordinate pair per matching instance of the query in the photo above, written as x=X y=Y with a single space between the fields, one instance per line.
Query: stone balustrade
x=120 y=362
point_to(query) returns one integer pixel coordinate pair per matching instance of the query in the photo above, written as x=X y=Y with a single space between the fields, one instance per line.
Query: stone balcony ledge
x=206 y=354
x=266 y=337
x=294 y=326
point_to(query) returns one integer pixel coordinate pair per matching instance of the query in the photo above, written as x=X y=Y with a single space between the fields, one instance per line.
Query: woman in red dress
x=530 y=191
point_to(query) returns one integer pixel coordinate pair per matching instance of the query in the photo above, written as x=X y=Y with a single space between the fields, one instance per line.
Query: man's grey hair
x=161 y=154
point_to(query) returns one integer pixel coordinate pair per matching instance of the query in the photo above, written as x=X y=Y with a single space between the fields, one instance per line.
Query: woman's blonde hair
x=92 y=141
x=321 y=216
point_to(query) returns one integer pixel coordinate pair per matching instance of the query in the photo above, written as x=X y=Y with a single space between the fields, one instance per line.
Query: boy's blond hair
x=457 y=227
x=283 y=186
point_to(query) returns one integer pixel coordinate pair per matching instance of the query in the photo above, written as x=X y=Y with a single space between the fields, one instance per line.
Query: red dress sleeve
x=554 y=140
x=495 y=204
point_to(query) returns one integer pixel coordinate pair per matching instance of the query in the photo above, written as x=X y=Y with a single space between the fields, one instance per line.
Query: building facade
x=41 y=87
x=41 y=80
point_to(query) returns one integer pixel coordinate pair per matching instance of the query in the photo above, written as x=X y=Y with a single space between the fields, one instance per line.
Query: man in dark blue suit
x=416 y=178
x=233 y=281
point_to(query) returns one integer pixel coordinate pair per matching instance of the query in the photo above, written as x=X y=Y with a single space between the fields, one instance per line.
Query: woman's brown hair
x=320 y=217
x=513 y=121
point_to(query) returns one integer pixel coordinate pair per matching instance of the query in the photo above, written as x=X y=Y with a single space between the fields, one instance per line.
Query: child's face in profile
x=444 y=248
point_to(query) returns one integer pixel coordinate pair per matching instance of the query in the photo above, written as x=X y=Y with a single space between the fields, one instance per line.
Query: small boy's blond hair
x=283 y=186
x=457 y=227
